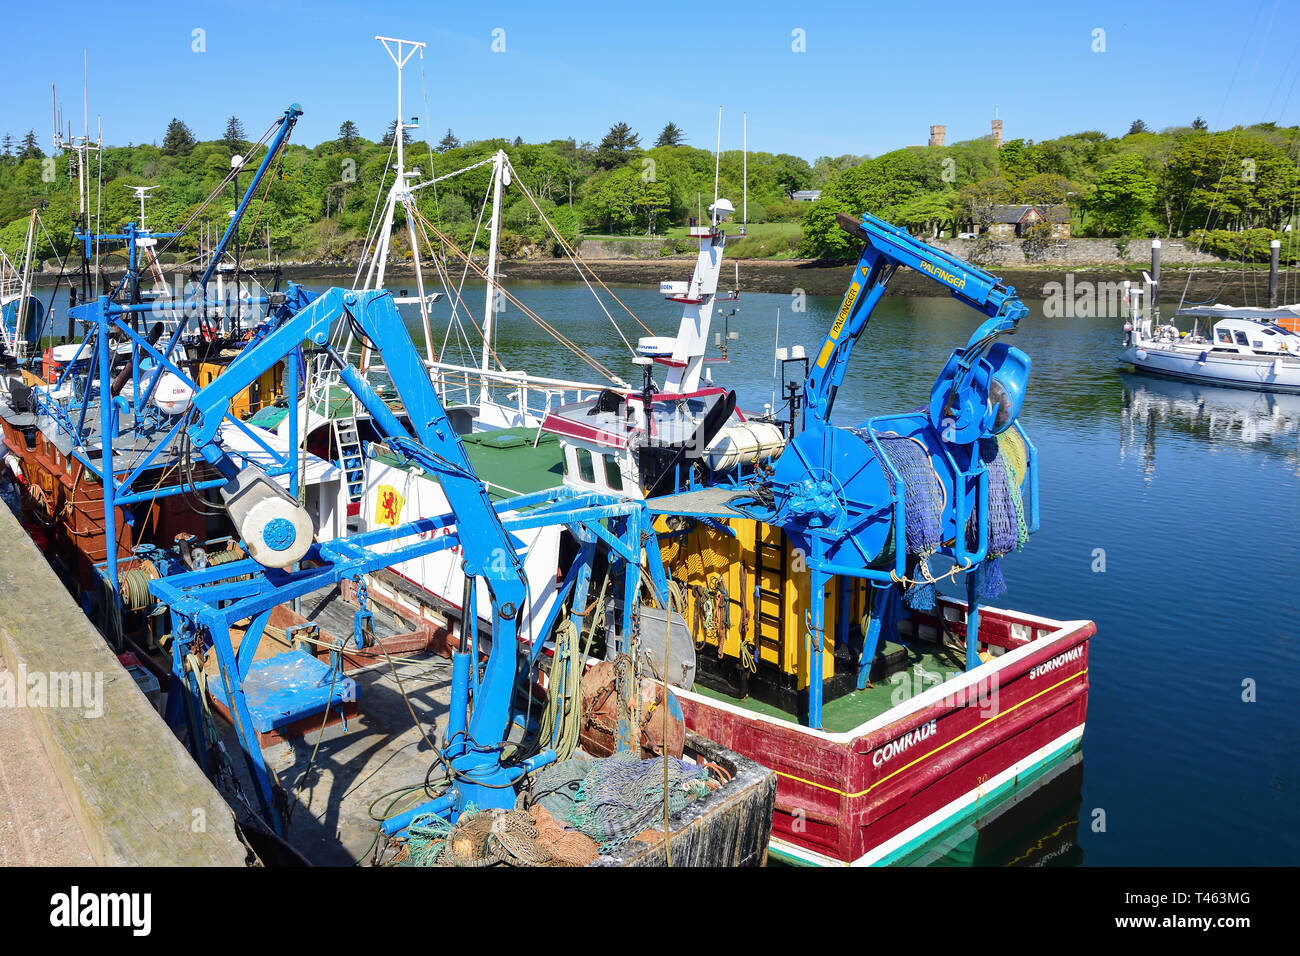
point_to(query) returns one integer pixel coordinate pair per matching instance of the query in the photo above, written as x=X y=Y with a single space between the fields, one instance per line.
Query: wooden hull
x=875 y=794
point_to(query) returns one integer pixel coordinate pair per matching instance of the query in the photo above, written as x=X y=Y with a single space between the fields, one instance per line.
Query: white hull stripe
x=936 y=822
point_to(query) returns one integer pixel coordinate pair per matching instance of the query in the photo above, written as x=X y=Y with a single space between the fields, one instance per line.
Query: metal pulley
x=276 y=530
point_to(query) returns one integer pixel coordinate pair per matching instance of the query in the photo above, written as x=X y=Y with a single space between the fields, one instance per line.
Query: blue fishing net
x=924 y=501
x=923 y=505
x=1006 y=520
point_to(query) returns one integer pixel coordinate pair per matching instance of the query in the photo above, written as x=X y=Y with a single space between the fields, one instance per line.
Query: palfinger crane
x=842 y=498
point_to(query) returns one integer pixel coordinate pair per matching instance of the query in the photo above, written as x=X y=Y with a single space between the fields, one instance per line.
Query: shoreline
x=1221 y=282
x=817 y=277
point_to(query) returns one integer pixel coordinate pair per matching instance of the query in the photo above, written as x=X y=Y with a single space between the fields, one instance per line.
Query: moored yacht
x=1245 y=348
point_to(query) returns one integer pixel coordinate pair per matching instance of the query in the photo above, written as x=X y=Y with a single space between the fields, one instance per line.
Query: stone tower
x=997 y=134
x=937 y=134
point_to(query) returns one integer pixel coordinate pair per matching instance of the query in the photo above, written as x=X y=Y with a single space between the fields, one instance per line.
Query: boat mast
x=489 y=308
x=686 y=364
x=400 y=52
x=20 y=327
x=717 y=159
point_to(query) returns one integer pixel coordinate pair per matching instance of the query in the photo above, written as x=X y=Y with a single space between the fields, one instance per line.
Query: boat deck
x=341 y=780
x=370 y=762
x=926 y=667
x=509 y=461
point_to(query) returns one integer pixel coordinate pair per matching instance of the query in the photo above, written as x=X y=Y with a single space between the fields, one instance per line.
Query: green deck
x=269 y=417
x=338 y=399
x=507 y=461
x=856 y=708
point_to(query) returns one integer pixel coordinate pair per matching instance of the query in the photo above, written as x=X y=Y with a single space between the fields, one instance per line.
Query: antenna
x=141 y=193
x=717 y=158
x=400 y=56
x=776 y=358
x=744 y=175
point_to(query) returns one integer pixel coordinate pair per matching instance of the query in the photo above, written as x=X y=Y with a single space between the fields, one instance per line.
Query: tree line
x=319 y=201
x=1230 y=190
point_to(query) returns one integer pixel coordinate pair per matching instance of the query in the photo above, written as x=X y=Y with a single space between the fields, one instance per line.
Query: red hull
x=860 y=796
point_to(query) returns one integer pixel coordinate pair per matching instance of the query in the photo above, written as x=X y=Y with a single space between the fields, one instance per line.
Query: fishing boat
x=215 y=553
x=93 y=426
x=982 y=703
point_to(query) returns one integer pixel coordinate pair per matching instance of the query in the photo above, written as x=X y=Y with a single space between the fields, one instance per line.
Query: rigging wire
x=1209 y=215
x=478 y=228
x=383 y=178
x=220 y=188
x=574 y=258
x=457 y=303
x=554 y=332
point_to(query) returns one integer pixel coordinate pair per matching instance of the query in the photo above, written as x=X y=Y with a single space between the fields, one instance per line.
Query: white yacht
x=1244 y=348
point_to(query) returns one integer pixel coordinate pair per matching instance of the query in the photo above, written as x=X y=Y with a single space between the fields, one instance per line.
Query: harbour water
x=1170 y=516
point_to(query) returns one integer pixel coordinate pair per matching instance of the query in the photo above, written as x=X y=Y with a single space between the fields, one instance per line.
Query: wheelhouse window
x=1225 y=336
x=613 y=475
x=1242 y=340
x=586 y=470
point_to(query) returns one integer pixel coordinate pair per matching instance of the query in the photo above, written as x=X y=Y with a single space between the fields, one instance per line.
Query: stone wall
x=1071 y=252
x=139 y=797
x=1006 y=253
x=633 y=248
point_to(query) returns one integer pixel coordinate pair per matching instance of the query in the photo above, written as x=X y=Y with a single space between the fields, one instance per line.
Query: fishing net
x=622 y=795
x=1004 y=460
x=520 y=837
x=556 y=785
x=924 y=500
x=577 y=810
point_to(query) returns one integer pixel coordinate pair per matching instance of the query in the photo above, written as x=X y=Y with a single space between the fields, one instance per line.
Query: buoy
x=172 y=396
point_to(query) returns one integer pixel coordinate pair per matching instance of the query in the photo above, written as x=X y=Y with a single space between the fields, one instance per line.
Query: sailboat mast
x=744 y=170
x=494 y=228
x=717 y=159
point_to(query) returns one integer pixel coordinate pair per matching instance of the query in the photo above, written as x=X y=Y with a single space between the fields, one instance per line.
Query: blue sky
x=873 y=78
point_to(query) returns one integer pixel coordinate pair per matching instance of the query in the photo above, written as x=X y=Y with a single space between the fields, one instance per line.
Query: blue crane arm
x=286 y=124
x=432 y=443
x=888 y=247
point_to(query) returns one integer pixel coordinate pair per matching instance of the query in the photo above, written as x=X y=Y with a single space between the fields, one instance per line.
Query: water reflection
x=1036 y=826
x=1225 y=419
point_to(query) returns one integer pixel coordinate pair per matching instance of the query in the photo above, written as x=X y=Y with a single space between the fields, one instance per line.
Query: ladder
x=769 y=560
x=348 y=442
